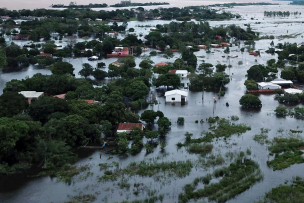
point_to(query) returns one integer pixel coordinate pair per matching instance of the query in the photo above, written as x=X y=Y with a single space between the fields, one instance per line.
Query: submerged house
x=176 y=96
x=268 y=85
x=127 y=127
x=119 y=52
x=283 y=83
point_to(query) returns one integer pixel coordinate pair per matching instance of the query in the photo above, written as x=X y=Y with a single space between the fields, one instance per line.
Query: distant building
x=127 y=127
x=181 y=73
x=216 y=46
x=161 y=64
x=21 y=37
x=116 y=63
x=5 y=17
x=225 y=44
x=119 y=52
x=46 y=54
x=31 y=95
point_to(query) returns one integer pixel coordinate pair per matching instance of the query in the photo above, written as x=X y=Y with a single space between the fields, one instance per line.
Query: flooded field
x=167 y=185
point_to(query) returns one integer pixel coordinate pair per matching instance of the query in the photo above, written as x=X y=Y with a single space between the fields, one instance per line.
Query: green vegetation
x=150 y=169
x=296 y=112
x=258 y=73
x=236 y=178
x=223 y=129
x=285 y=193
x=202 y=149
x=180 y=120
x=250 y=100
x=281 y=110
x=251 y=85
x=174 y=168
x=65 y=173
x=83 y=198
x=287 y=152
x=235 y=118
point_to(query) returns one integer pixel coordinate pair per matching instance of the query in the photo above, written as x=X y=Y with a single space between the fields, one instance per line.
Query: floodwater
x=22 y=188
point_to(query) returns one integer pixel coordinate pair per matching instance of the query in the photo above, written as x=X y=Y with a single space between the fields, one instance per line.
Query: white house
x=268 y=85
x=181 y=73
x=31 y=95
x=127 y=127
x=176 y=96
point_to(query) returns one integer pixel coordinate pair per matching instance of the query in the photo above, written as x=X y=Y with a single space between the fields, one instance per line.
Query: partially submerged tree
x=250 y=100
x=86 y=70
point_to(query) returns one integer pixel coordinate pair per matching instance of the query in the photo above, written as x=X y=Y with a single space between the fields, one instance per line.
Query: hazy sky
x=32 y=4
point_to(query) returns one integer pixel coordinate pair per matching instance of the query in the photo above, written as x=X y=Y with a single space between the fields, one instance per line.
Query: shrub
x=153 y=53
x=249 y=100
x=235 y=118
x=180 y=120
x=250 y=85
x=281 y=110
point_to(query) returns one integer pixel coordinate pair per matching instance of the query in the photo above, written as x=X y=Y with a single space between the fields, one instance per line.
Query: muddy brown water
x=23 y=188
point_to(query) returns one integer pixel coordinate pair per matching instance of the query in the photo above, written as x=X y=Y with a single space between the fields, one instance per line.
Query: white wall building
x=176 y=96
x=293 y=91
x=268 y=85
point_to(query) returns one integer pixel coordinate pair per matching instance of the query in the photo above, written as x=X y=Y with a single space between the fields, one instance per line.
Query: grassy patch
x=202 y=149
x=82 y=198
x=262 y=137
x=148 y=199
x=124 y=184
x=235 y=179
x=149 y=169
x=105 y=166
x=287 y=152
x=224 y=128
x=66 y=173
x=174 y=168
x=212 y=160
x=285 y=193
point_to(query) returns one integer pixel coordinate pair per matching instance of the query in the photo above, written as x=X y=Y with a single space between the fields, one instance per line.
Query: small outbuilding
x=293 y=91
x=268 y=85
x=127 y=127
x=176 y=96
x=283 y=83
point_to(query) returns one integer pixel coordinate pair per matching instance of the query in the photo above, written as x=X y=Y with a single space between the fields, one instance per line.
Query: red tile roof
x=45 y=54
x=60 y=96
x=128 y=126
x=172 y=71
x=89 y=101
x=161 y=64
